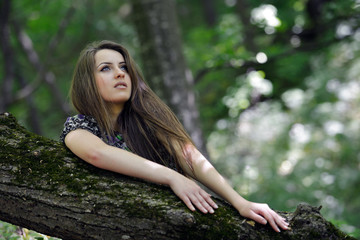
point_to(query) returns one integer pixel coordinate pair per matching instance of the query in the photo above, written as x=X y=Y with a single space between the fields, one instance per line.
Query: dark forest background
x=270 y=90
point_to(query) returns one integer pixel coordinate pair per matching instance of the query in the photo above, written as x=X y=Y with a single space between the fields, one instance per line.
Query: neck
x=116 y=110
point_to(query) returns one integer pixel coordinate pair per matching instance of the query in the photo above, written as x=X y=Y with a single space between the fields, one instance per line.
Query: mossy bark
x=44 y=187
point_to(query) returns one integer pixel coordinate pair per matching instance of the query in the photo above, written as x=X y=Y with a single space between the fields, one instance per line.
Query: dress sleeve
x=80 y=122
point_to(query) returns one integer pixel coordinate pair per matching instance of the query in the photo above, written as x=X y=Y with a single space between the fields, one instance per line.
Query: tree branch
x=44 y=187
x=308 y=47
x=44 y=75
x=60 y=32
x=33 y=113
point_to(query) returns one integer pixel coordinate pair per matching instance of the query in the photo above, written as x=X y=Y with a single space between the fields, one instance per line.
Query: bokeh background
x=276 y=85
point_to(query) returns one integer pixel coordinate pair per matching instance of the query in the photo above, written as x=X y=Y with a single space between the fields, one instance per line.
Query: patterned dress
x=89 y=123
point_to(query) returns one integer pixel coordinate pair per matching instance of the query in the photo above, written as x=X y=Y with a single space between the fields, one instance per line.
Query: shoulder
x=80 y=122
x=80 y=119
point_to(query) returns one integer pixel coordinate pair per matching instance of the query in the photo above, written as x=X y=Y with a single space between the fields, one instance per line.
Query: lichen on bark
x=44 y=187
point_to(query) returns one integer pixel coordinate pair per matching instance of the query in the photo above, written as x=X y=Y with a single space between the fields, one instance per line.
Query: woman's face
x=112 y=78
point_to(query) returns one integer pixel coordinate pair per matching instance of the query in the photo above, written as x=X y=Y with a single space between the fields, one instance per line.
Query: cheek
x=100 y=84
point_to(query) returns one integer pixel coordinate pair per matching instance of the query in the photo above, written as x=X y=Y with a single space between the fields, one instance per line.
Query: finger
x=274 y=225
x=269 y=217
x=188 y=203
x=277 y=217
x=198 y=204
x=209 y=200
x=258 y=218
x=284 y=225
x=204 y=201
x=280 y=221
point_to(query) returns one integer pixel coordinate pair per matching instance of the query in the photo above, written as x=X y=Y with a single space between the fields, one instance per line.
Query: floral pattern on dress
x=89 y=123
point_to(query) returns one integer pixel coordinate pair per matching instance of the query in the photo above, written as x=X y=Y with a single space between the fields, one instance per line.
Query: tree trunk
x=243 y=11
x=210 y=14
x=44 y=187
x=164 y=64
x=8 y=56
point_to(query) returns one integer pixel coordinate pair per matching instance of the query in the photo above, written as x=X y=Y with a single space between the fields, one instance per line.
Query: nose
x=119 y=73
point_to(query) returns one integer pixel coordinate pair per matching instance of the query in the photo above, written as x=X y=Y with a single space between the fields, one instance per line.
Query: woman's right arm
x=93 y=150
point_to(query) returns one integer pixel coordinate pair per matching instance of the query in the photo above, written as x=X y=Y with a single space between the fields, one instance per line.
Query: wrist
x=170 y=176
x=239 y=203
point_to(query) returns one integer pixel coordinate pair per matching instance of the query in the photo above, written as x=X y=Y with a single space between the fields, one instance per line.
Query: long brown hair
x=148 y=125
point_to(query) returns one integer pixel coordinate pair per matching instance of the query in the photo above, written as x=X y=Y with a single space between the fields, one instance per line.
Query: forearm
x=127 y=163
x=101 y=155
x=205 y=173
x=211 y=178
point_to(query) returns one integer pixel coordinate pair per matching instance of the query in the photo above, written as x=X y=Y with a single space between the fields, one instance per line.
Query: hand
x=191 y=194
x=263 y=214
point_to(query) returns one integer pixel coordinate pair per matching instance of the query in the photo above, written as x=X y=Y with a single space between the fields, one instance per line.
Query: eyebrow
x=108 y=63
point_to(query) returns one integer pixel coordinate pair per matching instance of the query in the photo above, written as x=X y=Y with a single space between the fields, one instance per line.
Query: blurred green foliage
x=280 y=112
x=11 y=232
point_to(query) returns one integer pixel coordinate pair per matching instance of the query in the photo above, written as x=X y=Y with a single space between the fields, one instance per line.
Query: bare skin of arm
x=101 y=155
x=205 y=173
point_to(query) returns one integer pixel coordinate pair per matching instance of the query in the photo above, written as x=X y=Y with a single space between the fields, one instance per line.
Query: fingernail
x=216 y=206
x=211 y=211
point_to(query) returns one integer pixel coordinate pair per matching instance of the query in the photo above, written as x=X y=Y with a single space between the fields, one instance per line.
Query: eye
x=124 y=68
x=105 y=68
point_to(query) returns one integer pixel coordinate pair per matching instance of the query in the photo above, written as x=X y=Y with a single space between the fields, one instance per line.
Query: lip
x=120 y=84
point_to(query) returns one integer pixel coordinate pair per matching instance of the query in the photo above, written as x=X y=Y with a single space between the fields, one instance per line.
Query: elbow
x=94 y=157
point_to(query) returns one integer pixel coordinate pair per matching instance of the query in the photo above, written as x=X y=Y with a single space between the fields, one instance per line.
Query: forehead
x=108 y=55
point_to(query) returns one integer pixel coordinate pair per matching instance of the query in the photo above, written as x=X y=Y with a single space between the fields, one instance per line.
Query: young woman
x=129 y=130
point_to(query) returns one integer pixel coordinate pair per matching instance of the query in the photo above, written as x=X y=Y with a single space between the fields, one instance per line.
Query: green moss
x=338 y=233
x=40 y=163
x=37 y=159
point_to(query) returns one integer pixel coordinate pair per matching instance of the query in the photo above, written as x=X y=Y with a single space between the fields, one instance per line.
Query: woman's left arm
x=204 y=172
